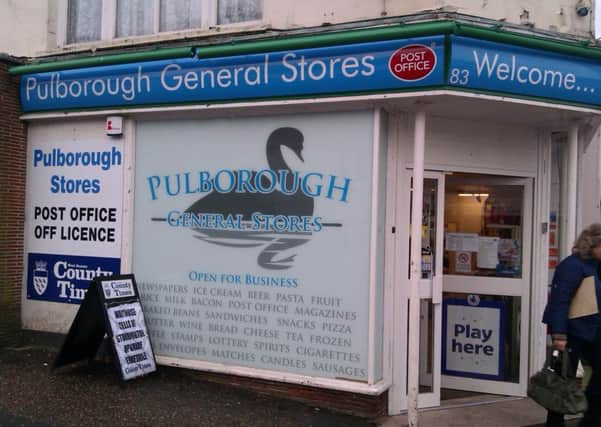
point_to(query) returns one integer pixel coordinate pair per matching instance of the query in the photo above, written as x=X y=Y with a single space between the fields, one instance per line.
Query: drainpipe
x=572 y=189
x=419 y=139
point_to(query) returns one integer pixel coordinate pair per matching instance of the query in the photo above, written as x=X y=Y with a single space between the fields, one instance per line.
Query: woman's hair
x=588 y=239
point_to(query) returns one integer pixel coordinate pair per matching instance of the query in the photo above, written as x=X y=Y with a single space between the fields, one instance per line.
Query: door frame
x=428 y=288
x=401 y=279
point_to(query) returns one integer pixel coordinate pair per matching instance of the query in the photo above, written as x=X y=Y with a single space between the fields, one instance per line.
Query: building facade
x=363 y=198
x=13 y=137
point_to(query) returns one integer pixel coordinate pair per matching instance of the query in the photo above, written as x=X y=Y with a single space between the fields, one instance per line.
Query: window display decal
x=271 y=209
x=252 y=240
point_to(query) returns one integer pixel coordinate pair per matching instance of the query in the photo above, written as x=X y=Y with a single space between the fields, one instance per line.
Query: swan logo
x=412 y=63
x=271 y=209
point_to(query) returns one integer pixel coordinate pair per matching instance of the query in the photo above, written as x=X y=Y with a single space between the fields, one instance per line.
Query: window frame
x=108 y=23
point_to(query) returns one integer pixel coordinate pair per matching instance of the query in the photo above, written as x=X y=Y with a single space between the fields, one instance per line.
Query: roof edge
x=422 y=24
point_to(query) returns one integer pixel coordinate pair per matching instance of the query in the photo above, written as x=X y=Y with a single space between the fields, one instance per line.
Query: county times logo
x=40 y=277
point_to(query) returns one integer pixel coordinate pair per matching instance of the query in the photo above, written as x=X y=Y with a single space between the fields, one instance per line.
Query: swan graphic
x=272 y=203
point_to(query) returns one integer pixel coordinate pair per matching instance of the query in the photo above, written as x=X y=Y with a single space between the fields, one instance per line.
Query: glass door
x=486 y=283
x=430 y=288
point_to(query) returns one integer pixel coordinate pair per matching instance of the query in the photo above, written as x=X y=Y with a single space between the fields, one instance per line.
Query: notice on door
x=473 y=338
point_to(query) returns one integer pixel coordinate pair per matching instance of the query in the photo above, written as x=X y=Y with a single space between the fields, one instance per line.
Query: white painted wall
x=24 y=26
x=474 y=146
x=589 y=186
x=29 y=27
x=554 y=15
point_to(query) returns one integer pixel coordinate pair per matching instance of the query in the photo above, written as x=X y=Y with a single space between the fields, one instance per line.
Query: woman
x=579 y=337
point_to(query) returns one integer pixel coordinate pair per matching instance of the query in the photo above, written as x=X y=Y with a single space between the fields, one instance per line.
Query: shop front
x=369 y=215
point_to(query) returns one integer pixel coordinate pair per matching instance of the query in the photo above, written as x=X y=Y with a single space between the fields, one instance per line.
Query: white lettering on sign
x=524 y=74
x=412 y=62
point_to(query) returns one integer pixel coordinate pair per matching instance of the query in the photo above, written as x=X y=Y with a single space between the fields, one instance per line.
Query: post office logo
x=412 y=62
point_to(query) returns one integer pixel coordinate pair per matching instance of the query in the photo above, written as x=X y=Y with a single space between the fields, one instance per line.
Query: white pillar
x=572 y=190
x=419 y=138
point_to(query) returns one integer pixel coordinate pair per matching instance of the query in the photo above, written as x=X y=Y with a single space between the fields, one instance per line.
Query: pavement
x=484 y=411
x=93 y=395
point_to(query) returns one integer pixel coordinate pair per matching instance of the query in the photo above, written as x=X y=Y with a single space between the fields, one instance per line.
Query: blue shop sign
x=65 y=278
x=377 y=66
x=497 y=67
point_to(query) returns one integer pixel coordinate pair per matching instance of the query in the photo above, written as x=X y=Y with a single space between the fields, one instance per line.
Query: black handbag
x=556 y=391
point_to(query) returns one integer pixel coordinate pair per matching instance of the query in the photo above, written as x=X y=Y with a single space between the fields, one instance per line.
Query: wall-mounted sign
x=473 y=338
x=480 y=64
x=375 y=66
x=390 y=65
x=73 y=210
x=251 y=240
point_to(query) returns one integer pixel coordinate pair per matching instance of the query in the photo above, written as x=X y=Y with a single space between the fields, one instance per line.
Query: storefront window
x=252 y=241
x=483 y=226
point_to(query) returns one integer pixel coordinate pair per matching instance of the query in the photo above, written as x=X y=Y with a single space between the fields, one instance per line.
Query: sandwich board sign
x=111 y=307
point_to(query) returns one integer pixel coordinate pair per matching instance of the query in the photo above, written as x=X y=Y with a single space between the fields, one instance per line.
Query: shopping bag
x=584 y=301
x=554 y=390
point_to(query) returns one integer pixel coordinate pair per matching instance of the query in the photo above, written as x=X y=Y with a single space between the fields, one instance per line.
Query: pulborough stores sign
x=382 y=65
x=391 y=65
x=73 y=212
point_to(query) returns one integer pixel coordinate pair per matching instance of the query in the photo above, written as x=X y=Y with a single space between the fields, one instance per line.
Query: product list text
x=268 y=328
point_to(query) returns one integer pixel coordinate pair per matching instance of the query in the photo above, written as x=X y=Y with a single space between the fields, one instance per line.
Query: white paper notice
x=130 y=338
x=463 y=262
x=488 y=252
x=466 y=242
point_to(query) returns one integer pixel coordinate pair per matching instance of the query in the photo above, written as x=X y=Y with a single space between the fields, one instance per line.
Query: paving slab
x=93 y=395
x=488 y=411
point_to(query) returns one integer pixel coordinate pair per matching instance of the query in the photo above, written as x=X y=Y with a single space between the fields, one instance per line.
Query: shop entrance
x=475 y=284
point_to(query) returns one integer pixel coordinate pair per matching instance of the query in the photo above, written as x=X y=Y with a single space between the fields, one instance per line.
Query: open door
x=474 y=286
x=430 y=287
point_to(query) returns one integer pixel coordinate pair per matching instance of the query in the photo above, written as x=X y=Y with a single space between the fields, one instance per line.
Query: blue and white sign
x=473 y=333
x=65 y=278
x=497 y=67
x=73 y=210
x=329 y=70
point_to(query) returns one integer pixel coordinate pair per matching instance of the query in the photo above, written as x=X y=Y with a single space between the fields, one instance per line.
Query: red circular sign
x=412 y=62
